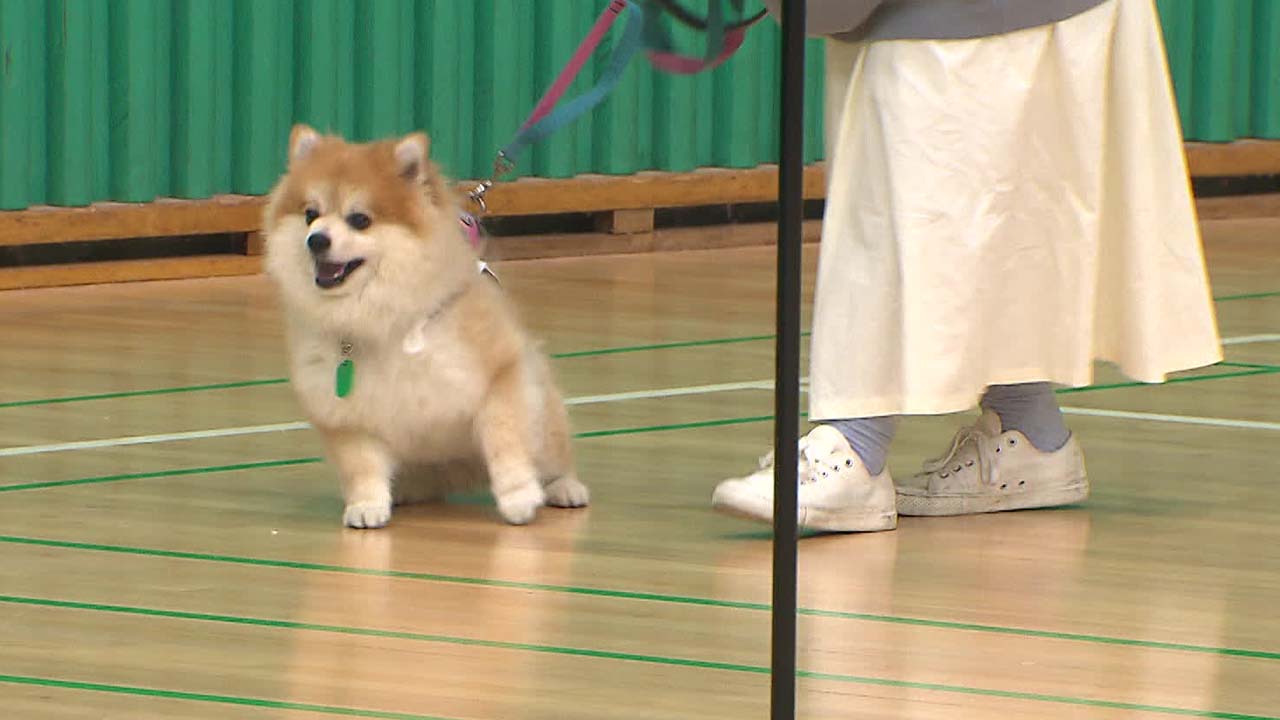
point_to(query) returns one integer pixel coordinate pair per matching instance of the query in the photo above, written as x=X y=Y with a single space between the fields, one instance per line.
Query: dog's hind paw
x=567 y=492
x=369 y=514
x=519 y=507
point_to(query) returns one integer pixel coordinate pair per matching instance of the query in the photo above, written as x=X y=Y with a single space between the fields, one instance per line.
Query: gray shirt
x=854 y=20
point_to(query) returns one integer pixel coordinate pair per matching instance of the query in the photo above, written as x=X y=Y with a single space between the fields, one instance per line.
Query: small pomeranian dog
x=411 y=364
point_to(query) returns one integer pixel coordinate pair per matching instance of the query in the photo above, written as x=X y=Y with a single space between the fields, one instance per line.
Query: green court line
x=374 y=632
x=280 y=381
x=159 y=474
x=630 y=595
x=1247 y=296
x=1253 y=369
x=1046 y=634
x=1057 y=699
x=383 y=715
x=142 y=393
x=310 y=460
x=665 y=346
x=1249 y=371
x=616 y=655
x=208 y=698
x=613 y=432
x=675 y=426
x=1255 y=366
x=556 y=356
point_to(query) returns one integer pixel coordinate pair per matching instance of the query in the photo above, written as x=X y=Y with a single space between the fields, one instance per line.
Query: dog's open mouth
x=331 y=275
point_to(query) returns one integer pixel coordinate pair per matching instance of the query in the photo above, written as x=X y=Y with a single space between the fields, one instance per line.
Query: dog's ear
x=302 y=140
x=411 y=156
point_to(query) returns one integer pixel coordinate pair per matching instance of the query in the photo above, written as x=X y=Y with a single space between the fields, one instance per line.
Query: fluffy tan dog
x=412 y=365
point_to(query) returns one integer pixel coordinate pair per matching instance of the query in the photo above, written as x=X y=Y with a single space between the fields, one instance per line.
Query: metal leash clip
x=501 y=166
x=471 y=220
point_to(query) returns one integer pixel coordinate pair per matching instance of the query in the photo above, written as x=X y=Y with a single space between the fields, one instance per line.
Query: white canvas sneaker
x=989 y=470
x=836 y=493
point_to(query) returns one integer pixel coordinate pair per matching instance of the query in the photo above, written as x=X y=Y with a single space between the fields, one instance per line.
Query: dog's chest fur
x=422 y=404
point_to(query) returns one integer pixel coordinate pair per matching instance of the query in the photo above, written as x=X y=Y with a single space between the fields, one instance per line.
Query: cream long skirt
x=1005 y=210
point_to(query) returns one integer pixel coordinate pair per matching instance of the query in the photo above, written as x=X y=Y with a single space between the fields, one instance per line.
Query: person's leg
x=1019 y=455
x=836 y=493
x=1031 y=409
x=869 y=438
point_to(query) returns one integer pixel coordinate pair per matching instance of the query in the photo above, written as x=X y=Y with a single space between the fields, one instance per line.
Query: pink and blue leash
x=548 y=116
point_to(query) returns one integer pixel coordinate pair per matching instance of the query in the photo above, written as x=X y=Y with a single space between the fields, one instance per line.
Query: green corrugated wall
x=1225 y=59
x=136 y=99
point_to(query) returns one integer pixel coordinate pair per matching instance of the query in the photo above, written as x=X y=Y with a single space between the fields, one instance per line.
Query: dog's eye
x=359 y=221
x=311 y=215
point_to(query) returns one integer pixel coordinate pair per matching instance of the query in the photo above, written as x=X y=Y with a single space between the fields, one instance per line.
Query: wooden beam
x=1237 y=159
x=1239 y=207
x=255 y=243
x=107 y=221
x=528 y=196
x=531 y=196
x=529 y=247
x=619 y=195
x=128 y=271
x=594 y=193
x=624 y=222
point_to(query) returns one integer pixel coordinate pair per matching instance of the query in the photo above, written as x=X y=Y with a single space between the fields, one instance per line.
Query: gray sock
x=870 y=439
x=1032 y=410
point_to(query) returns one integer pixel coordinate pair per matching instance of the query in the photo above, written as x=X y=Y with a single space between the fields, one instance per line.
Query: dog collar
x=416 y=341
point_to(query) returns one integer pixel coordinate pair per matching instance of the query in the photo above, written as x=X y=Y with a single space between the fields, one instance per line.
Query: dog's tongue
x=329 y=271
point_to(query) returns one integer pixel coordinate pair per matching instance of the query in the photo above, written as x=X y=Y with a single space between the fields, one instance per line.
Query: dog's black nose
x=318 y=242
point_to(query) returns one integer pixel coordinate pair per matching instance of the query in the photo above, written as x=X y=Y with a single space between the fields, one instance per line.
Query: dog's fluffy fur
x=449 y=390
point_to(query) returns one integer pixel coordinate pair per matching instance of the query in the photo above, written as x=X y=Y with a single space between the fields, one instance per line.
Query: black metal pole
x=787 y=381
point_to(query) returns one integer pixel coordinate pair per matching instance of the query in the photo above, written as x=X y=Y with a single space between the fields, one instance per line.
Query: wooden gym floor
x=171 y=546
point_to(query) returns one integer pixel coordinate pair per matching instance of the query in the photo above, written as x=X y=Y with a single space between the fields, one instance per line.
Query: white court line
x=1175 y=419
x=287 y=427
x=592 y=400
x=148 y=439
x=1250 y=339
x=670 y=392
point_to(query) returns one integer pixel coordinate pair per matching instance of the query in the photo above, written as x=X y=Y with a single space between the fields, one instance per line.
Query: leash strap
x=580 y=56
x=678 y=64
x=723 y=38
x=722 y=42
x=546 y=117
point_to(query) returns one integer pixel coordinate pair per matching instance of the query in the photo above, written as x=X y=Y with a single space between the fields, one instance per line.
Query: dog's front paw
x=567 y=492
x=519 y=507
x=367 y=514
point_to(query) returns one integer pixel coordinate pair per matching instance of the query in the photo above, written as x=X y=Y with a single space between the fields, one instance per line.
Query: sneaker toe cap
x=743 y=498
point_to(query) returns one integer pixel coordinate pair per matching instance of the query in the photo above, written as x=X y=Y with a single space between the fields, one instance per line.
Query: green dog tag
x=345 y=376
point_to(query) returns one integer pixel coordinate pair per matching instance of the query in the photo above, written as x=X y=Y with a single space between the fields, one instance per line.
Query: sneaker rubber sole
x=949 y=505
x=741 y=503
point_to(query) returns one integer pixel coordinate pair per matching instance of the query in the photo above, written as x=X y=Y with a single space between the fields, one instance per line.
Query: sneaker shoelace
x=949 y=464
x=806 y=463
